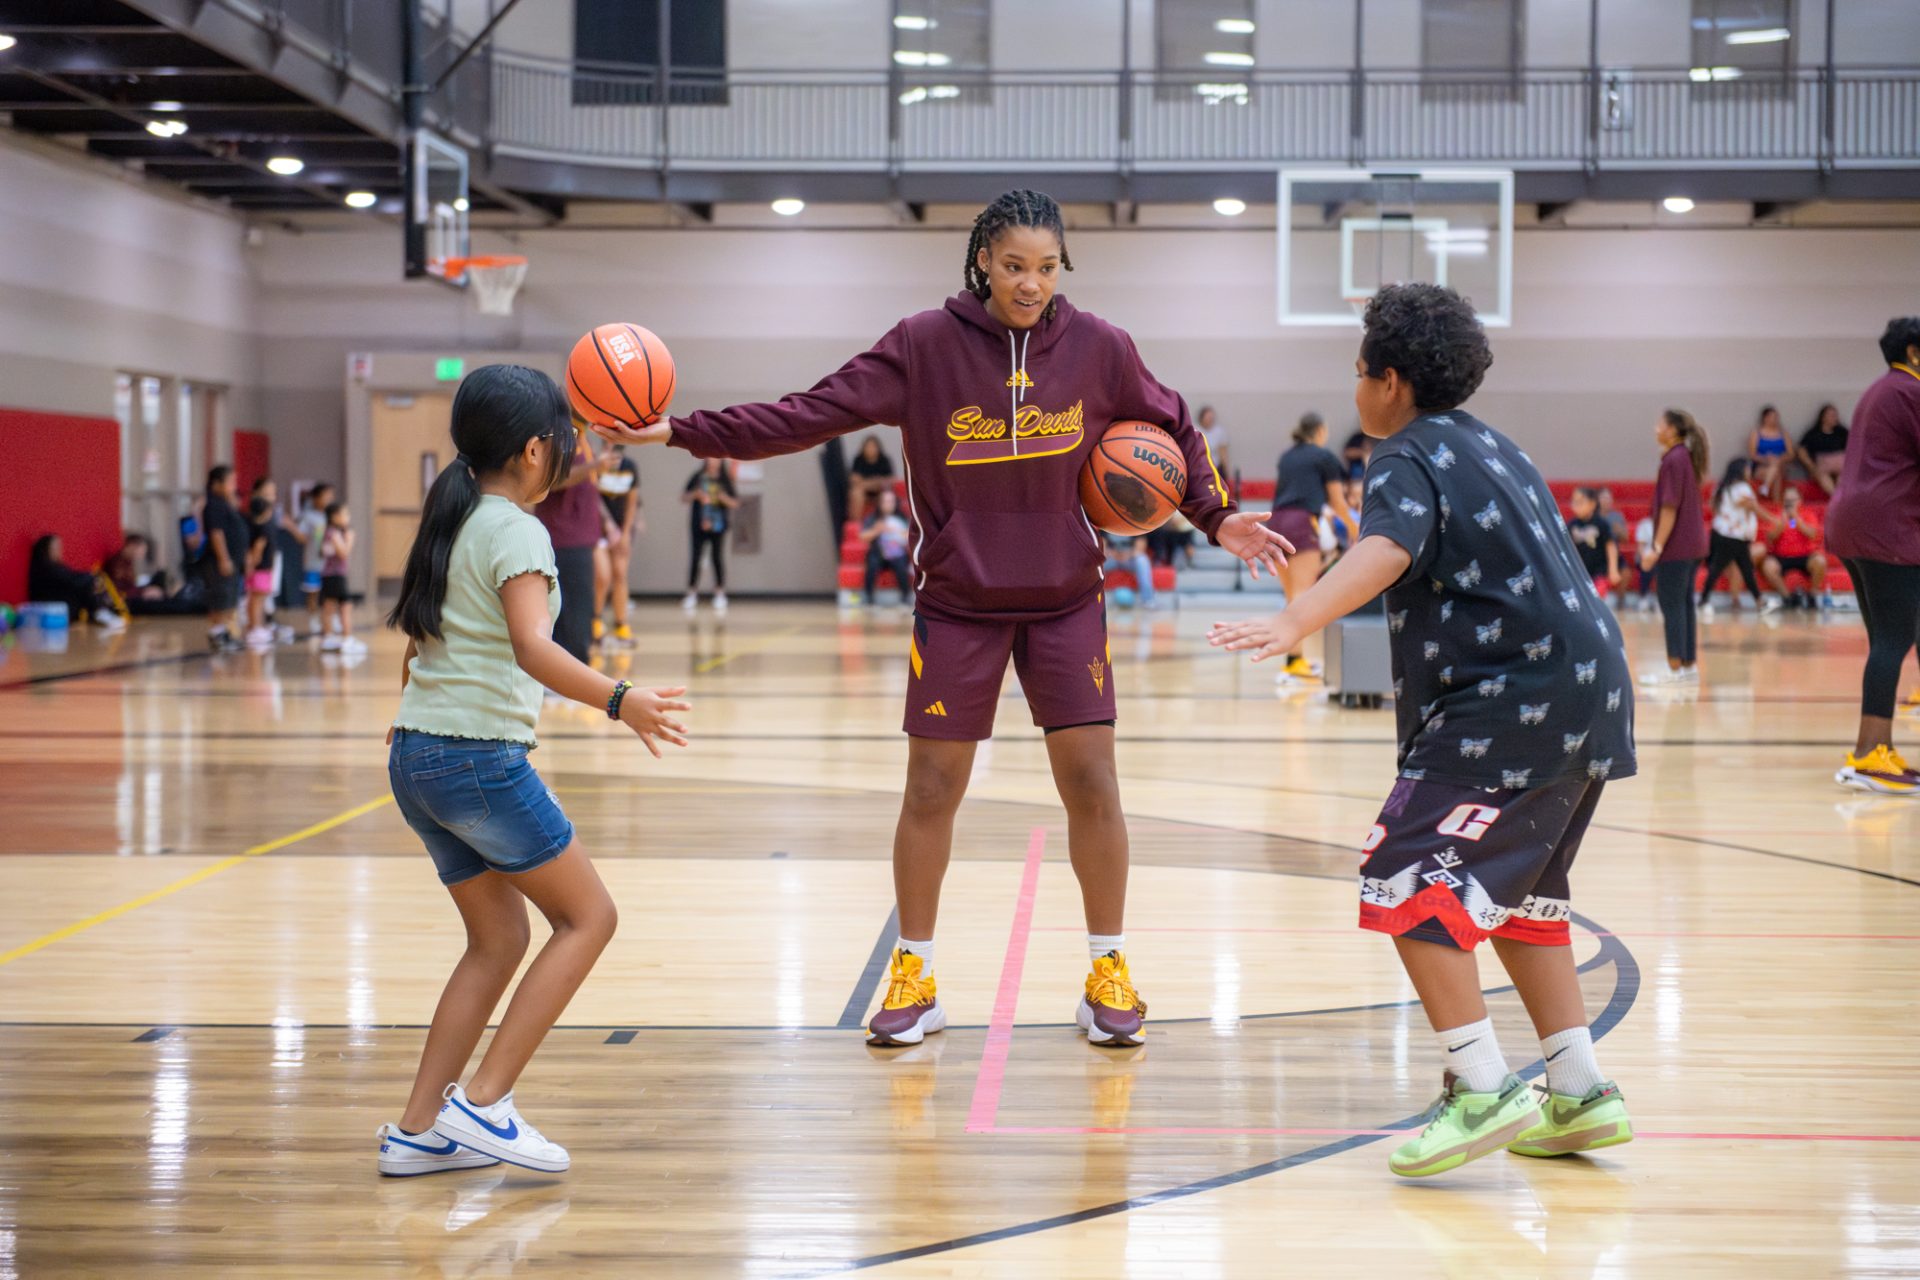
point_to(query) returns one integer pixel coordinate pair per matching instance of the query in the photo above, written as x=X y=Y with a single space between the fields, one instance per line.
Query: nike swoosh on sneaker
x=1474 y=1119
x=507 y=1134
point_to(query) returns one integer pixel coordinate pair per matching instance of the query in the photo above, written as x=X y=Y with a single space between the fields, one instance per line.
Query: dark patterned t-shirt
x=1508 y=670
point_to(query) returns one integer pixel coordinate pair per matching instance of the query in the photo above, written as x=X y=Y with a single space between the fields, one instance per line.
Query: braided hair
x=1020 y=208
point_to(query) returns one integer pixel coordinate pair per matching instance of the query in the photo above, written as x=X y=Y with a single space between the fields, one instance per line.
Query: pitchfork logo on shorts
x=1098 y=670
x=1035 y=434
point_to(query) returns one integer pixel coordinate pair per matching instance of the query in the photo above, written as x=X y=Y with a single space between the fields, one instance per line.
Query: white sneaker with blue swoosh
x=497 y=1130
x=405 y=1155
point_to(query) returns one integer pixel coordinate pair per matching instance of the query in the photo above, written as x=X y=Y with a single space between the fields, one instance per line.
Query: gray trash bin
x=1359 y=668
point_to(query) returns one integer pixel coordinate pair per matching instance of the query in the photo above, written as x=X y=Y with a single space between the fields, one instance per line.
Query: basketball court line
x=1630 y=933
x=187 y=881
x=993 y=1057
x=759 y=646
x=1180 y=1131
x=853 y=1017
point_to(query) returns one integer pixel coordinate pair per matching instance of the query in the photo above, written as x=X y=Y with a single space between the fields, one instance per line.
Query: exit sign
x=449 y=368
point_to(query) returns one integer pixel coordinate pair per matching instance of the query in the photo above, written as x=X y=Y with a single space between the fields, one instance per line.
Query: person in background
x=1793 y=546
x=710 y=500
x=872 y=471
x=310 y=528
x=886 y=539
x=1311 y=479
x=1736 y=524
x=52 y=580
x=1172 y=540
x=1874 y=527
x=1130 y=554
x=336 y=545
x=571 y=513
x=225 y=534
x=1207 y=423
x=619 y=486
x=131 y=571
x=1679 y=541
x=1593 y=539
x=1767 y=449
x=835 y=478
x=261 y=556
x=1355 y=453
x=1823 y=449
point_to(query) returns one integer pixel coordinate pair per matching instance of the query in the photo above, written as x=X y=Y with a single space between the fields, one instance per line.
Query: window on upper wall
x=1472 y=49
x=618 y=38
x=1205 y=50
x=943 y=50
x=1742 y=42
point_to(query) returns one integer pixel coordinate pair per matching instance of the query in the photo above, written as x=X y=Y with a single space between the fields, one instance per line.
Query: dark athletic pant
x=1673 y=584
x=1889 y=597
x=573 y=629
x=717 y=543
x=1724 y=551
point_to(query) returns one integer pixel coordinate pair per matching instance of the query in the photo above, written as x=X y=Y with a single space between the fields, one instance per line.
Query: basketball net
x=494 y=279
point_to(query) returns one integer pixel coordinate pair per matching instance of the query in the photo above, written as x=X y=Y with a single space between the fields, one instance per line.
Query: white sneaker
x=1770 y=603
x=498 y=1130
x=404 y=1155
x=1706 y=610
x=720 y=602
x=260 y=638
x=690 y=601
x=1669 y=676
x=330 y=645
x=284 y=634
x=352 y=644
x=313 y=626
x=109 y=621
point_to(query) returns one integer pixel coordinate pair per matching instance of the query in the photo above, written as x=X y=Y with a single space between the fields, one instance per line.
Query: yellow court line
x=721 y=661
x=204 y=873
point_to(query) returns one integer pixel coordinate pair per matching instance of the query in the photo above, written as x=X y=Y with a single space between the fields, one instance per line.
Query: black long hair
x=1020 y=208
x=496 y=411
x=1692 y=437
x=1737 y=471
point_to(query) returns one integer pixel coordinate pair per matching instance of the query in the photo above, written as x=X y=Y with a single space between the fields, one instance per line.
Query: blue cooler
x=45 y=616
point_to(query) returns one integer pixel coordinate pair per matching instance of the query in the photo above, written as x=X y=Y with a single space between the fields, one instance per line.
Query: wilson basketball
x=1134 y=480
x=620 y=375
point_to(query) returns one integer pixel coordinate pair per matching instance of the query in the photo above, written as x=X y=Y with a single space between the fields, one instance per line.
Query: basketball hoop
x=1358 y=301
x=494 y=278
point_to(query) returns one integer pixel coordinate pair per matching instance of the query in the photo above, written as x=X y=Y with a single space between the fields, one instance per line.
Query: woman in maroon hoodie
x=999 y=396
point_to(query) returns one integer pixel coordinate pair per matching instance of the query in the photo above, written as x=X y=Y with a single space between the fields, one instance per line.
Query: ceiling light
x=286 y=166
x=1218 y=59
x=166 y=128
x=1700 y=75
x=360 y=199
x=909 y=22
x=7 y=42
x=1234 y=26
x=915 y=58
x=460 y=204
x=1677 y=204
x=1217 y=93
x=166 y=104
x=787 y=206
x=912 y=96
x=1765 y=35
x=1229 y=206
x=944 y=91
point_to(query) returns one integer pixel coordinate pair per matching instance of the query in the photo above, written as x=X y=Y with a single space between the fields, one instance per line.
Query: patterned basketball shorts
x=1454 y=864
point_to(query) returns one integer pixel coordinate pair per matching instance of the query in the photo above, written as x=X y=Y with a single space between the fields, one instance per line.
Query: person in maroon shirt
x=571 y=512
x=1873 y=525
x=1679 y=540
x=999 y=394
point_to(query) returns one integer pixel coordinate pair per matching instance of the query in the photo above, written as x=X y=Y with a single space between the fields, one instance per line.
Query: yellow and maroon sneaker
x=1112 y=1012
x=911 y=1010
x=1880 y=770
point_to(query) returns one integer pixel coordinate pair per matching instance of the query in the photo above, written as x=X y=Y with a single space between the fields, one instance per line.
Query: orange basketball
x=620 y=375
x=1134 y=480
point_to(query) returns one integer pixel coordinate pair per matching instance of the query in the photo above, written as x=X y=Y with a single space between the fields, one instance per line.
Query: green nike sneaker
x=1463 y=1125
x=1569 y=1124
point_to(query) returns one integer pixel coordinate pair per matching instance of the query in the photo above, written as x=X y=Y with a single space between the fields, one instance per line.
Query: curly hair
x=1020 y=208
x=1432 y=337
x=1902 y=332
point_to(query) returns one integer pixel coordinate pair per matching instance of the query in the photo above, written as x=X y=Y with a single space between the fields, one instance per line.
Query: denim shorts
x=477 y=805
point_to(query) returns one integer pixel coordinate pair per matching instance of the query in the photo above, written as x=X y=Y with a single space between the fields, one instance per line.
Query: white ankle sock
x=922 y=949
x=1571 y=1069
x=1472 y=1053
x=1099 y=944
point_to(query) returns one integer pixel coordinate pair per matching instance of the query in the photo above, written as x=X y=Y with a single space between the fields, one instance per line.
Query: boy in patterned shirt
x=1514 y=706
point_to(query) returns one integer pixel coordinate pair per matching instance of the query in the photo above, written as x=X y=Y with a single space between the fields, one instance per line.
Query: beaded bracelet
x=616 y=697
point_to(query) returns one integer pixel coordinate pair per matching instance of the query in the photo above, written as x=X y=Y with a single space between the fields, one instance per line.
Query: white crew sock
x=1099 y=944
x=922 y=949
x=1571 y=1069
x=1472 y=1053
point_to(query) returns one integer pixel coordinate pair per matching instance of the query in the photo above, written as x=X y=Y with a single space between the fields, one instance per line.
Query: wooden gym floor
x=218 y=943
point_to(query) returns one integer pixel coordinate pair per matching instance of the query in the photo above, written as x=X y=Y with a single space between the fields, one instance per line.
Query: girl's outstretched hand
x=645 y=712
x=1266 y=637
x=1245 y=534
x=651 y=433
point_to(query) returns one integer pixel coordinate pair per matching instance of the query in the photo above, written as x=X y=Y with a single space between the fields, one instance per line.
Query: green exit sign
x=449 y=368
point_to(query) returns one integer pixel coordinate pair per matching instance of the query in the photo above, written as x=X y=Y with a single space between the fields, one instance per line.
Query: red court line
x=1179 y=1131
x=993 y=1058
x=1630 y=933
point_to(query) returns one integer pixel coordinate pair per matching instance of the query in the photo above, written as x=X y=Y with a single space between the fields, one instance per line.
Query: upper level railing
x=1536 y=118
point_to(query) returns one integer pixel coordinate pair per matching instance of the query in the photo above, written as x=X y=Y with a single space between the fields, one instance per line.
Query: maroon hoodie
x=998 y=531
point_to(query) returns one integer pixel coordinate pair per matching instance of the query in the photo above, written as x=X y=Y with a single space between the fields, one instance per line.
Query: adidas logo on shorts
x=937 y=709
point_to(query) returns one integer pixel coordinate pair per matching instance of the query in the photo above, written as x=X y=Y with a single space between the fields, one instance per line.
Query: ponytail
x=498 y=409
x=1693 y=437
x=1310 y=423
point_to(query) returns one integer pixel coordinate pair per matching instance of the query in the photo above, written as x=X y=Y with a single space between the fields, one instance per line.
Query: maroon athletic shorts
x=1298 y=526
x=956 y=669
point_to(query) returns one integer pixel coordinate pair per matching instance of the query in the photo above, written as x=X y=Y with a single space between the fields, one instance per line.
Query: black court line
x=172 y=659
x=853 y=1016
x=155 y=1033
x=622 y=1037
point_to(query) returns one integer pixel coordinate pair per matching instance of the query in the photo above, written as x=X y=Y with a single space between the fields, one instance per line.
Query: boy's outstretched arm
x=1374 y=564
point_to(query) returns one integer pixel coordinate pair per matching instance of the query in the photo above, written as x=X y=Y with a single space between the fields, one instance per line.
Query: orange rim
x=454 y=267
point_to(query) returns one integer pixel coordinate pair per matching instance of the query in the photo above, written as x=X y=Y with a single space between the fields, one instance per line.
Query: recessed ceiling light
x=1765 y=35
x=915 y=58
x=1234 y=26
x=360 y=199
x=286 y=166
x=787 y=206
x=165 y=104
x=7 y=42
x=1700 y=75
x=1230 y=206
x=166 y=128
x=1218 y=59
x=911 y=22
x=1677 y=204
x=460 y=204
